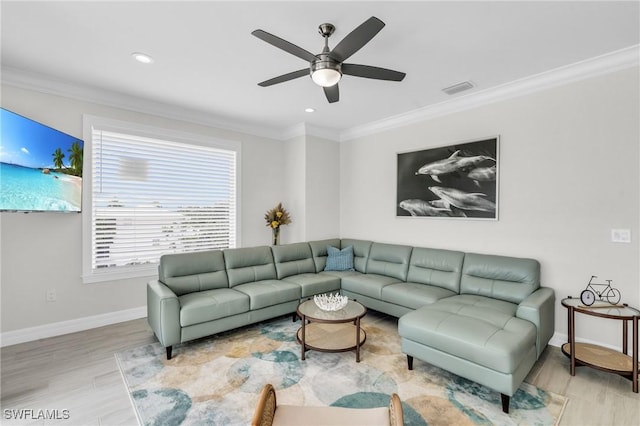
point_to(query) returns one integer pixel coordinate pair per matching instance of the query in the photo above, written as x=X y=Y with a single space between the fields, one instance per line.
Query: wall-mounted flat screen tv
x=40 y=167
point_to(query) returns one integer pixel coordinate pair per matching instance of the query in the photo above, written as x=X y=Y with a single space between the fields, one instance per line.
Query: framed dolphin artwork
x=454 y=181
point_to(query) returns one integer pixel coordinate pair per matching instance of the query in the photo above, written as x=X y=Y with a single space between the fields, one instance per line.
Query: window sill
x=122 y=273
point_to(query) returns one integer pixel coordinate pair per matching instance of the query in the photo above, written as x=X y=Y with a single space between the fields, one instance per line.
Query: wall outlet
x=51 y=295
x=621 y=235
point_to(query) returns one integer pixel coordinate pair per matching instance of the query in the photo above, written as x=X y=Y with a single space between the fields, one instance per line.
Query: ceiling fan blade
x=285 y=77
x=356 y=39
x=332 y=93
x=285 y=45
x=368 y=71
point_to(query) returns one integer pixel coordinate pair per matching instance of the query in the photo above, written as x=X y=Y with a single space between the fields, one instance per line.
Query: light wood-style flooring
x=78 y=372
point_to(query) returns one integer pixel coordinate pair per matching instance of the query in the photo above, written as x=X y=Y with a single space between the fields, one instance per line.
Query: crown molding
x=306 y=129
x=45 y=84
x=593 y=67
x=608 y=63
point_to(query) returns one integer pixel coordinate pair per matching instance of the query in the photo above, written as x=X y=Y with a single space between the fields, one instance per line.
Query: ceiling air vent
x=457 y=88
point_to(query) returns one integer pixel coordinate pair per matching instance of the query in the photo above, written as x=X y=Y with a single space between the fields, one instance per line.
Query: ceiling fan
x=327 y=68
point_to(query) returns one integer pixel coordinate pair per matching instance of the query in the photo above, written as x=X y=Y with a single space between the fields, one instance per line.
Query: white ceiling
x=207 y=61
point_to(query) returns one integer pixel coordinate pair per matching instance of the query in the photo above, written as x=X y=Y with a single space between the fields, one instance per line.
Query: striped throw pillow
x=339 y=260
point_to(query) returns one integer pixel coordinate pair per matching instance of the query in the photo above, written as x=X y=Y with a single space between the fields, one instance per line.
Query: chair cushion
x=203 y=306
x=482 y=330
x=294 y=415
x=339 y=260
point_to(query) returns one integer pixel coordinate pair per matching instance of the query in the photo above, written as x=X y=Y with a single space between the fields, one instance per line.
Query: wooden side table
x=599 y=357
x=331 y=331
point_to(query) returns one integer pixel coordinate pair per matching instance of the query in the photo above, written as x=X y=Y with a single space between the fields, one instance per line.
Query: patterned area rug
x=217 y=381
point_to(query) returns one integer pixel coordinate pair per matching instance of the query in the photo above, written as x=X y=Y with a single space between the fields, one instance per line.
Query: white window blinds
x=151 y=197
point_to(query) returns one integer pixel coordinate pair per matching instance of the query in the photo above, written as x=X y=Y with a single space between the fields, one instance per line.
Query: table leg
x=635 y=353
x=358 y=340
x=304 y=347
x=572 y=341
x=625 y=330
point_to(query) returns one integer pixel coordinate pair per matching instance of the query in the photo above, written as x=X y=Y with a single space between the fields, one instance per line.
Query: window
x=149 y=192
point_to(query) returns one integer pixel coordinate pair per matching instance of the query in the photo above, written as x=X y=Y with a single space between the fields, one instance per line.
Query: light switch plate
x=621 y=235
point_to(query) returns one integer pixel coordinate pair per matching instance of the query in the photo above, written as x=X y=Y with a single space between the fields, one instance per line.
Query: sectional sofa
x=483 y=317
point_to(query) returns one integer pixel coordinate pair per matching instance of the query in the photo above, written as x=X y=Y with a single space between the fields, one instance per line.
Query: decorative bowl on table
x=330 y=302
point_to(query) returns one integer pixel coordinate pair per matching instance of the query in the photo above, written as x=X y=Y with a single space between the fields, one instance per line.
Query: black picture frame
x=458 y=181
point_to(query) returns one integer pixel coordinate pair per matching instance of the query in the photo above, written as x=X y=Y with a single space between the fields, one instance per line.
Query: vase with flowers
x=276 y=217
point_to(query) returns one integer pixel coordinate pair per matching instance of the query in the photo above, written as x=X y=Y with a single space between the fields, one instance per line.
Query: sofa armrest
x=539 y=308
x=163 y=313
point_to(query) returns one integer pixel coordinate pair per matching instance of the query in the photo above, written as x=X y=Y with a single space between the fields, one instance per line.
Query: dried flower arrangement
x=275 y=218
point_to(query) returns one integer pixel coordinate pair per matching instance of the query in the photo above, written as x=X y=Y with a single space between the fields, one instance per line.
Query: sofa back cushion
x=441 y=268
x=361 y=250
x=189 y=272
x=250 y=264
x=319 y=252
x=293 y=259
x=390 y=260
x=506 y=278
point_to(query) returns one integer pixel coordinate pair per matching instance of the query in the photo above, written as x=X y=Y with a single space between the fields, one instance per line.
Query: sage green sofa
x=493 y=331
x=483 y=317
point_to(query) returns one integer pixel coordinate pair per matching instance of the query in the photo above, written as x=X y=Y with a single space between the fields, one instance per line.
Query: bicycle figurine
x=610 y=294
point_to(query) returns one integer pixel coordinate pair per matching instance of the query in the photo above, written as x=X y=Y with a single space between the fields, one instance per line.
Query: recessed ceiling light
x=309 y=110
x=142 y=57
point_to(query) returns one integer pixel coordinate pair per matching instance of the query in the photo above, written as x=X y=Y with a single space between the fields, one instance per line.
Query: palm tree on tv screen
x=76 y=158
x=58 y=156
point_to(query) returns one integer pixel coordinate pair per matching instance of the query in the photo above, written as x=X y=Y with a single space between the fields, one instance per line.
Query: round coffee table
x=331 y=331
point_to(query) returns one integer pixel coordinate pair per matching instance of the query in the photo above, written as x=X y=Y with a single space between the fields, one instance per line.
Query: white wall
x=313 y=185
x=569 y=160
x=569 y=173
x=295 y=202
x=322 y=189
x=42 y=251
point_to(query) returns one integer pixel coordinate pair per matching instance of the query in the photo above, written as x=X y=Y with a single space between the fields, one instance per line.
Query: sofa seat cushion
x=269 y=293
x=367 y=284
x=414 y=295
x=292 y=415
x=341 y=274
x=476 y=328
x=203 y=306
x=312 y=284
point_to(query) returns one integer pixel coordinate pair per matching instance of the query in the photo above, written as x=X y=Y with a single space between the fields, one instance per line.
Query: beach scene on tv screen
x=40 y=167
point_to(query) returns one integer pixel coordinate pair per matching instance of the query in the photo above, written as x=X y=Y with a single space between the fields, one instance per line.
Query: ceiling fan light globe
x=326 y=77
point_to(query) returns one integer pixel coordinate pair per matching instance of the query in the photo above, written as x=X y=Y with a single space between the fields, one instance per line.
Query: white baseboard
x=559 y=339
x=14 y=337
x=9 y=338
